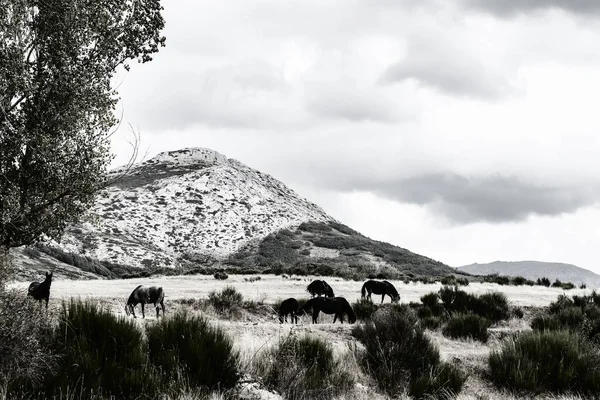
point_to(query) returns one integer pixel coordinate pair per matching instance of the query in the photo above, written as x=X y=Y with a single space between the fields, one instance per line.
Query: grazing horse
x=41 y=291
x=318 y=287
x=337 y=305
x=291 y=307
x=145 y=295
x=382 y=288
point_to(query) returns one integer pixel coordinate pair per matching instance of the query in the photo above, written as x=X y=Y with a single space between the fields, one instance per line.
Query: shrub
x=462 y=281
x=430 y=300
x=220 y=275
x=537 y=362
x=467 y=326
x=364 y=309
x=582 y=286
x=227 y=300
x=493 y=306
x=300 y=368
x=518 y=281
x=396 y=346
x=186 y=348
x=543 y=282
x=444 y=381
x=24 y=345
x=432 y=322
x=100 y=353
x=517 y=312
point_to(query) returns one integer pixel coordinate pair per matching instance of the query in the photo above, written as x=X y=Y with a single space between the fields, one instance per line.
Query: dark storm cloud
x=511 y=7
x=491 y=199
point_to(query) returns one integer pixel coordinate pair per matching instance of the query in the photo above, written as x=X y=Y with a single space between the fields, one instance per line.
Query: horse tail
x=161 y=295
x=349 y=311
x=363 y=291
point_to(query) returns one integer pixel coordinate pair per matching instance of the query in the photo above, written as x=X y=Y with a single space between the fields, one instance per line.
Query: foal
x=41 y=291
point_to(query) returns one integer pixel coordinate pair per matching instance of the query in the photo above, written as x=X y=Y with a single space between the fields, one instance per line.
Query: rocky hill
x=195 y=207
x=536 y=269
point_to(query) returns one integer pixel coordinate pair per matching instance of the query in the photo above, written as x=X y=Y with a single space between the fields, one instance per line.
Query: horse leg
x=143 y=314
x=133 y=311
x=335 y=318
x=315 y=316
x=156 y=308
x=47 y=298
x=382 y=297
x=162 y=305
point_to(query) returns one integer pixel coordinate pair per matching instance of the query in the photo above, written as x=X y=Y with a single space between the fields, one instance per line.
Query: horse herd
x=325 y=300
x=329 y=304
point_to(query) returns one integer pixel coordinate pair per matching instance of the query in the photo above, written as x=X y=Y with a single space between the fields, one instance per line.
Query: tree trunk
x=6 y=269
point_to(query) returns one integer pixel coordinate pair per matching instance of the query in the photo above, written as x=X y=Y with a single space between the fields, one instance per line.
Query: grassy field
x=254 y=331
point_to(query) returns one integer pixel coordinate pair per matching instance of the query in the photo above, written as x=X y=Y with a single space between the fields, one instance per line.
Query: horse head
x=396 y=299
x=49 y=276
x=128 y=309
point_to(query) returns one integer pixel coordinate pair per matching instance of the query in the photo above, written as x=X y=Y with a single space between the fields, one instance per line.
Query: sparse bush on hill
x=397 y=347
x=467 y=326
x=189 y=352
x=303 y=368
x=557 y=362
x=462 y=281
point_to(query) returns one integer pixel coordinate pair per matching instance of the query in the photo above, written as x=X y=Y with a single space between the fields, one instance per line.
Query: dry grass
x=255 y=331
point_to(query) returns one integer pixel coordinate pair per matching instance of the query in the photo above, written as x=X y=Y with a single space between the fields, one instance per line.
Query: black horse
x=337 y=305
x=41 y=291
x=289 y=307
x=382 y=288
x=318 y=287
x=145 y=295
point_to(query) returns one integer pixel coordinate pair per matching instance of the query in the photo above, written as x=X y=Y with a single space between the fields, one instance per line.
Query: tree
x=57 y=103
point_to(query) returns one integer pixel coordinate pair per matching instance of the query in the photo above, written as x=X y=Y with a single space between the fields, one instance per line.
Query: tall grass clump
x=99 y=354
x=25 y=340
x=303 y=368
x=537 y=362
x=493 y=306
x=190 y=352
x=364 y=309
x=397 y=347
x=228 y=300
x=463 y=326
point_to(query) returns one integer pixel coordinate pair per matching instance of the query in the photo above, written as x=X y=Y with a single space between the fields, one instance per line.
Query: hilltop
x=536 y=269
x=192 y=208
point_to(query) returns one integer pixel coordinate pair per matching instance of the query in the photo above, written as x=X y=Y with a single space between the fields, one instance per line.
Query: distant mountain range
x=536 y=269
x=196 y=207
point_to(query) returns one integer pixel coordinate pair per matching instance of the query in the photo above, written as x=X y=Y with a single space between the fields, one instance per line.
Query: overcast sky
x=467 y=131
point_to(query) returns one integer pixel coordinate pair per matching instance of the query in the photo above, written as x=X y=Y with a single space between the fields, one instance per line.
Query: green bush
x=518 y=281
x=186 y=349
x=444 y=381
x=396 y=346
x=304 y=368
x=537 y=362
x=100 y=353
x=462 y=281
x=227 y=300
x=467 y=326
x=364 y=309
x=517 y=312
x=431 y=322
x=543 y=282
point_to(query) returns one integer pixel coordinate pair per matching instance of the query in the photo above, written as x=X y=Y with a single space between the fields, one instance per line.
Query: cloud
x=355 y=106
x=464 y=199
x=506 y=8
x=447 y=67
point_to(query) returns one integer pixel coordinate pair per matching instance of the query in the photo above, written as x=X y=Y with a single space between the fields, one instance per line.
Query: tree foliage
x=57 y=62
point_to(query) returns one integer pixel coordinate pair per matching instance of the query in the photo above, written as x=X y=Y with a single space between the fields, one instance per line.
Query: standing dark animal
x=380 y=287
x=145 y=295
x=337 y=305
x=289 y=307
x=318 y=287
x=41 y=291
